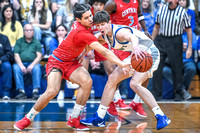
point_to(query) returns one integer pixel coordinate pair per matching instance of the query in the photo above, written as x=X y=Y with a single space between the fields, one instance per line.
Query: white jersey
x=145 y=44
x=125 y=46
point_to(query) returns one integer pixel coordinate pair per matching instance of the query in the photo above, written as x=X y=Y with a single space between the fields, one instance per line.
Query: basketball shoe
x=22 y=124
x=121 y=105
x=75 y=123
x=137 y=107
x=162 y=121
x=112 y=111
x=94 y=121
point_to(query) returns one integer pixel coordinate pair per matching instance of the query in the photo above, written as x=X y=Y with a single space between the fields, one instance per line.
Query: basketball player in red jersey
x=127 y=12
x=65 y=63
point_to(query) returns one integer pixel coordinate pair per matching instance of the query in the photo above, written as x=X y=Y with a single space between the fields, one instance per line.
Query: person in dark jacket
x=5 y=67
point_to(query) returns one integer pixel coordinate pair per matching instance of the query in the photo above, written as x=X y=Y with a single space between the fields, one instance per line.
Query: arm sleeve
x=186 y=20
x=8 y=50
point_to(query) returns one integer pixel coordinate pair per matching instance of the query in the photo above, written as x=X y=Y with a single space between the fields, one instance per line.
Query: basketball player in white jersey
x=133 y=41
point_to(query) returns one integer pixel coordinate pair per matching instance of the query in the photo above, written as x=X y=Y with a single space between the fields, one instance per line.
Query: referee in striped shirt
x=171 y=21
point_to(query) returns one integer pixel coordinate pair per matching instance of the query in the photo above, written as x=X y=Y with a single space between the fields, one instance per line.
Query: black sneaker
x=35 y=95
x=178 y=97
x=21 y=95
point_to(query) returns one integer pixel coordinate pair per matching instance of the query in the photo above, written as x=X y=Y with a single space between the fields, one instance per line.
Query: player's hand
x=138 y=53
x=188 y=52
x=90 y=55
x=126 y=67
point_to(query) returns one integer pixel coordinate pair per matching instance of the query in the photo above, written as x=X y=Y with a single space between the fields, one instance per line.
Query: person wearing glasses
x=27 y=56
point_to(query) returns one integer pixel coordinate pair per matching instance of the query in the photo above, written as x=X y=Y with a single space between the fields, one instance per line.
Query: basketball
x=142 y=65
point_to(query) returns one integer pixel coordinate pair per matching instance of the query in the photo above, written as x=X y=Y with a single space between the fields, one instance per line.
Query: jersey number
x=131 y=20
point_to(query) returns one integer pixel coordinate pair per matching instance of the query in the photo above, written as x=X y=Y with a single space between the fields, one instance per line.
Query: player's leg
x=136 y=84
x=136 y=103
x=113 y=79
x=53 y=87
x=81 y=77
x=117 y=100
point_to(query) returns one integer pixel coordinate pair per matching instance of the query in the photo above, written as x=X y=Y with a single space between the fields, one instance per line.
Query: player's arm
x=110 y=6
x=100 y=38
x=108 y=54
x=126 y=35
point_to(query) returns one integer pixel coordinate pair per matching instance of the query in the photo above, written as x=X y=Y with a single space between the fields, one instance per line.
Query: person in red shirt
x=65 y=63
x=126 y=12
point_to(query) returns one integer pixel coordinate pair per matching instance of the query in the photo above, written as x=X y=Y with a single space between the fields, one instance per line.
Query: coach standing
x=171 y=21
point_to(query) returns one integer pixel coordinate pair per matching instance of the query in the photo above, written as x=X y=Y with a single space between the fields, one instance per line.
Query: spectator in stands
x=168 y=39
x=10 y=26
x=27 y=55
x=65 y=15
x=41 y=19
x=53 y=6
x=191 y=13
x=147 y=10
x=189 y=68
x=61 y=33
x=14 y=4
x=5 y=66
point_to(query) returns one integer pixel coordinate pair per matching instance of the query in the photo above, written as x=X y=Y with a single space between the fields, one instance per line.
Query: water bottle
x=92 y=94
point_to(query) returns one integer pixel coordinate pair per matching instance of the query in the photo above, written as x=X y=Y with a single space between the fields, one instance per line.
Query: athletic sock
x=117 y=96
x=102 y=111
x=31 y=114
x=156 y=110
x=137 y=99
x=77 y=110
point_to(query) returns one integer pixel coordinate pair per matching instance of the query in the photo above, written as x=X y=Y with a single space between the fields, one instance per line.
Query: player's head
x=83 y=14
x=97 y=5
x=100 y=17
x=80 y=9
x=102 y=21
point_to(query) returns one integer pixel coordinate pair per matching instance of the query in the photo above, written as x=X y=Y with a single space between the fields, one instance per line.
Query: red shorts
x=121 y=54
x=66 y=67
x=98 y=57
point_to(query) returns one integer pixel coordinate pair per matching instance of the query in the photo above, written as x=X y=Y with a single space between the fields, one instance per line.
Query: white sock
x=117 y=96
x=156 y=110
x=137 y=99
x=102 y=111
x=77 y=110
x=31 y=114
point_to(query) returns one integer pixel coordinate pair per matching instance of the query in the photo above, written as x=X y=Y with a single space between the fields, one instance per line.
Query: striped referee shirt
x=172 y=22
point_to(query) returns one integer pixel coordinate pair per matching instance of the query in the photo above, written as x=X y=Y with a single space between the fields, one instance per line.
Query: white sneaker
x=6 y=98
x=71 y=85
x=61 y=95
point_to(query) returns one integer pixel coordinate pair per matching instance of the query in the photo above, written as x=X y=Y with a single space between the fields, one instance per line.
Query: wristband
x=140 y=18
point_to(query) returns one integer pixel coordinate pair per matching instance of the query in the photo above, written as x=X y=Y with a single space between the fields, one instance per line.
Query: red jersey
x=75 y=42
x=126 y=14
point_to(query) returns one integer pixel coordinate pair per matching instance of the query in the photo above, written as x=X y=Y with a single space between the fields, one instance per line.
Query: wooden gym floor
x=185 y=117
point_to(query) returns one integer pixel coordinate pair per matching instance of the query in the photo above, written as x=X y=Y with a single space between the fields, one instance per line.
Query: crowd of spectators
x=32 y=29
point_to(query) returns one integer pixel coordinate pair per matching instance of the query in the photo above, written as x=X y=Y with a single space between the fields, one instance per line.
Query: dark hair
x=1 y=1
x=187 y=3
x=79 y=9
x=91 y=2
x=13 y=19
x=61 y=25
x=43 y=13
x=101 y=16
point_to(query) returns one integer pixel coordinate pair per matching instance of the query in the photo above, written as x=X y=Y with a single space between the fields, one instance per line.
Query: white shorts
x=148 y=45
